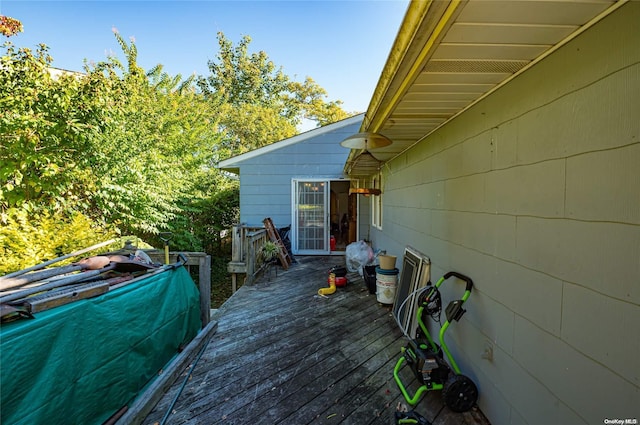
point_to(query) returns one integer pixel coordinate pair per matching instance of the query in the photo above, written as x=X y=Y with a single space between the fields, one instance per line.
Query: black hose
x=184 y=384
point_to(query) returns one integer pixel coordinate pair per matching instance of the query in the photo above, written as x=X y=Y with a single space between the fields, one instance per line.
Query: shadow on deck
x=282 y=354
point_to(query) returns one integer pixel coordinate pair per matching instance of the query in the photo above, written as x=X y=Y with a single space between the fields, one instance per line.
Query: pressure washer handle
x=461 y=277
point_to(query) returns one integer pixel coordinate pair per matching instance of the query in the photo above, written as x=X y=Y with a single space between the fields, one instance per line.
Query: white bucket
x=386 y=287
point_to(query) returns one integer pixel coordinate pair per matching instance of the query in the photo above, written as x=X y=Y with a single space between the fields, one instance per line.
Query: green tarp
x=80 y=363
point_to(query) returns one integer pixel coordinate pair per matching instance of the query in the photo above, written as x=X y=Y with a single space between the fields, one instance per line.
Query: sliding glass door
x=311 y=222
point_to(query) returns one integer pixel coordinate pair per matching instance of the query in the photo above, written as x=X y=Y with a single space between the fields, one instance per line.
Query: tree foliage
x=27 y=239
x=159 y=144
x=117 y=145
x=260 y=104
x=44 y=124
x=117 y=149
x=9 y=26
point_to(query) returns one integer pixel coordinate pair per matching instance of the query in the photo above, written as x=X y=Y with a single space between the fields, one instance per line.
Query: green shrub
x=27 y=240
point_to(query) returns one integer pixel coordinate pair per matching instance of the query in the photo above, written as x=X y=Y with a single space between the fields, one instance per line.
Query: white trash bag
x=358 y=254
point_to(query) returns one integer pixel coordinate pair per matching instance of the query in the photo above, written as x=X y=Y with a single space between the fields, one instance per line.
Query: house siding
x=265 y=180
x=534 y=193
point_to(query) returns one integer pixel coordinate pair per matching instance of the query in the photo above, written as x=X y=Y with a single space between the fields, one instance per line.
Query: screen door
x=311 y=233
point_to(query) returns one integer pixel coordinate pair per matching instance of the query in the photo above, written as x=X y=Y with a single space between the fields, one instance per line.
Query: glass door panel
x=311 y=211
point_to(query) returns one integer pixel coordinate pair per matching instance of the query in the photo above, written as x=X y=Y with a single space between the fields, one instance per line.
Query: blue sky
x=342 y=45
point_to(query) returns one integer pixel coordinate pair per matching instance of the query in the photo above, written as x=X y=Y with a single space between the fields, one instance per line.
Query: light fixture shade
x=366 y=141
x=365 y=164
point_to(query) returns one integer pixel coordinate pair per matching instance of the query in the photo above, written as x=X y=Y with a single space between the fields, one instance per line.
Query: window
x=376 y=203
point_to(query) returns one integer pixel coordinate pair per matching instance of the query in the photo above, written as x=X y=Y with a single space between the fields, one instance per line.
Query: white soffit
x=479 y=46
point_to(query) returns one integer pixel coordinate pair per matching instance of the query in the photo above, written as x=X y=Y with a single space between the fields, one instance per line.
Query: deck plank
x=283 y=354
x=233 y=373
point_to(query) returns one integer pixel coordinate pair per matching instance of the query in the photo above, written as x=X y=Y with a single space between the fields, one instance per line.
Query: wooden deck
x=283 y=354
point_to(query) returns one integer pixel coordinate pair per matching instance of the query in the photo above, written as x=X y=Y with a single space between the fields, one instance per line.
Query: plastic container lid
x=387 y=272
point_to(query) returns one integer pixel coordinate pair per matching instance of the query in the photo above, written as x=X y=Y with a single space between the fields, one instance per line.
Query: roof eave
x=402 y=67
x=424 y=28
x=423 y=19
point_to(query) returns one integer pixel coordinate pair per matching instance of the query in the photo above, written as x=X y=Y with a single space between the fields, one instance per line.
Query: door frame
x=327 y=212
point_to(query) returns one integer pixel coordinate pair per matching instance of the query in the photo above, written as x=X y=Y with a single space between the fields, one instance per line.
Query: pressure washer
x=426 y=357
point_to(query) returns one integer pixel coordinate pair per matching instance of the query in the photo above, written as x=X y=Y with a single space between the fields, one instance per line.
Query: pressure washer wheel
x=459 y=393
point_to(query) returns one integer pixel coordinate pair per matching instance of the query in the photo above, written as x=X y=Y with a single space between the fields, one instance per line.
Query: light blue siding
x=265 y=179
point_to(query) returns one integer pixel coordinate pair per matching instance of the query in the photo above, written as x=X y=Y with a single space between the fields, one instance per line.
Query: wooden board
x=47 y=301
x=140 y=408
x=283 y=254
x=364 y=191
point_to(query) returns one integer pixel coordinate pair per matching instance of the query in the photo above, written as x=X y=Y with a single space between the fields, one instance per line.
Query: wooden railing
x=247 y=242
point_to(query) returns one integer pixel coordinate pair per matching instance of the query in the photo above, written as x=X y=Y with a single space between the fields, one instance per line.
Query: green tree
x=158 y=144
x=115 y=144
x=259 y=104
x=27 y=239
x=45 y=128
x=116 y=149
